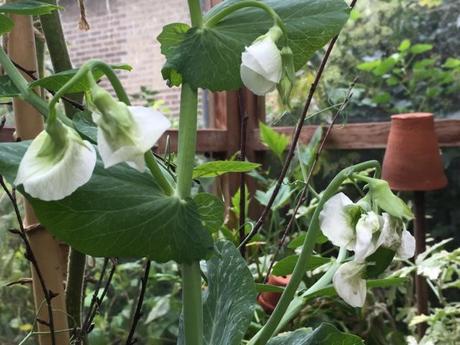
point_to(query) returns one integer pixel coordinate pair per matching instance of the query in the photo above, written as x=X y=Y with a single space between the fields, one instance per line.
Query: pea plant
x=95 y=184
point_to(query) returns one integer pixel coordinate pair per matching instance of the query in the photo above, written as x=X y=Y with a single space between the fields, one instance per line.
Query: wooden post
x=21 y=48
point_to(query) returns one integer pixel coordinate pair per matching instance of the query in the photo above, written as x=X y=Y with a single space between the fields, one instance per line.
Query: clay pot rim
x=418 y=116
x=267 y=306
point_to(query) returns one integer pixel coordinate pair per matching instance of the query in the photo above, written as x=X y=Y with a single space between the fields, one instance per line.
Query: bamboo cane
x=21 y=48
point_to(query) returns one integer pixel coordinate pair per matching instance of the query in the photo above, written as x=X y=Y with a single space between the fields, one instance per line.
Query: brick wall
x=125 y=32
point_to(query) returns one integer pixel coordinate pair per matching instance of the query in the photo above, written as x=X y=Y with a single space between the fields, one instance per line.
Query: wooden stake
x=21 y=48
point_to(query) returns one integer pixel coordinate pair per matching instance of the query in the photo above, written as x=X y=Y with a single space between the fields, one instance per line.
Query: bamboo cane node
x=34 y=227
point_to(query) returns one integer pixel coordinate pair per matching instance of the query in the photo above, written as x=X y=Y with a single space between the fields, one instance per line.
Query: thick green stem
x=57 y=47
x=215 y=19
x=191 y=275
x=74 y=292
x=264 y=335
x=21 y=84
x=298 y=302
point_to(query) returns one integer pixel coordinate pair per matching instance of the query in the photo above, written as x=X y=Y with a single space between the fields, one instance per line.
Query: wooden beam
x=357 y=136
x=362 y=136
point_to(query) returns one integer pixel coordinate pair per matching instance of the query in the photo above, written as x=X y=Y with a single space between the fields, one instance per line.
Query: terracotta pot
x=412 y=159
x=268 y=300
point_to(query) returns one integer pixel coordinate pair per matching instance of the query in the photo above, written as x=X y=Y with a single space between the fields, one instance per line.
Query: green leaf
x=382 y=98
x=211 y=210
x=325 y=334
x=29 y=7
x=286 y=265
x=84 y=124
x=6 y=25
x=217 y=168
x=281 y=199
x=276 y=142
x=269 y=288
x=56 y=81
x=119 y=213
x=451 y=63
x=405 y=44
x=230 y=299
x=385 y=66
x=7 y=88
x=369 y=66
x=421 y=48
x=210 y=57
x=378 y=262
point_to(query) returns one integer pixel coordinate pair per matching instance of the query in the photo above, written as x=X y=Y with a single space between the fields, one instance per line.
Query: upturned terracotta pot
x=268 y=300
x=412 y=159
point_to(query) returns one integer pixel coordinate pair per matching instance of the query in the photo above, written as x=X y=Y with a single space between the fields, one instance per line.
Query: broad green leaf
x=325 y=334
x=6 y=24
x=378 y=262
x=269 y=288
x=286 y=265
x=217 y=168
x=276 y=142
x=421 y=48
x=56 y=81
x=405 y=44
x=28 y=7
x=119 y=213
x=230 y=299
x=210 y=57
x=211 y=210
x=369 y=65
x=385 y=66
x=7 y=88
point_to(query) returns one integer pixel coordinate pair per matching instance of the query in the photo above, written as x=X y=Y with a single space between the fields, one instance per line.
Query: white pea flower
x=124 y=132
x=56 y=164
x=336 y=221
x=349 y=284
x=368 y=226
x=261 y=64
x=407 y=248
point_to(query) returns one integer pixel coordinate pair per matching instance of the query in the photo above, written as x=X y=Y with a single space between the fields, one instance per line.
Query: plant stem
x=264 y=335
x=187 y=140
x=215 y=19
x=22 y=85
x=191 y=275
x=74 y=290
x=157 y=173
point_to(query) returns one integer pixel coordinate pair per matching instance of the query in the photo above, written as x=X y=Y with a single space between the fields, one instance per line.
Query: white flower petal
x=151 y=126
x=367 y=225
x=407 y=248
x=349 y=284
x=255 y=82
x=48 y=180
x=264 y=58
x=334 y=222
x=137 y=163
x=389 y=236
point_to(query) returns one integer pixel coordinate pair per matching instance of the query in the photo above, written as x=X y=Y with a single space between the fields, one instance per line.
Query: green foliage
x=210 y=57
x=211 y=210
x=325 y=334
x=56 y=81
x=276 y=142
x=286 y=265
x=28 y=7
x=218 y=168
x=6 y=24
x=139 y=222
x=230 y=299
x=7 y=88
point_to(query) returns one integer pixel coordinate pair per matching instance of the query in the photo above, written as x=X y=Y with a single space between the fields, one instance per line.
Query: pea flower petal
x=335 y=222
x=367 y=226
x=261 y=67
x=349 y=284
x=52 y=171
x=407 y=248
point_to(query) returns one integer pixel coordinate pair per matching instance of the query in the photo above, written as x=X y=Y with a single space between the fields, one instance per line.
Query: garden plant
x=95 y=183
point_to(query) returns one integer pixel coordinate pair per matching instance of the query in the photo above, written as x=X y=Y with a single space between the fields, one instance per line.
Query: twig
x=242 y=157
x=31 y=75
x=140 y=300
x=303 y=194
x=48 y=294
x=294 y=141
x=95 y=300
